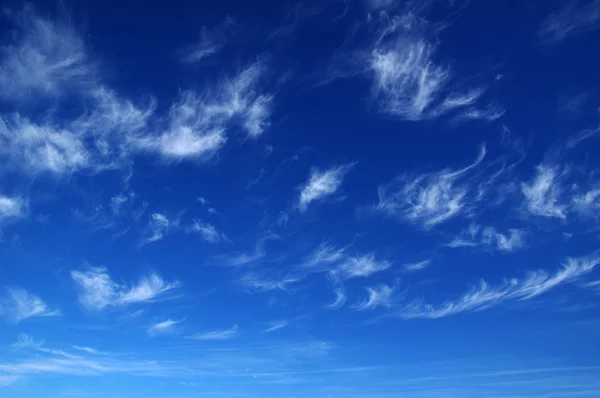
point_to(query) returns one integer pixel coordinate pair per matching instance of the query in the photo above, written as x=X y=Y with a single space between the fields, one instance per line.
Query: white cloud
x=164 y=327
x=212 y=40
x=543 y=196
x=583 y=135
x=322 y=184
x=98 y=291
x=430 y=199
x=586 y=204
x=158 y=226
x=360 y=267
x=216 y=334
x=34 y=148
x=379 y=296
x=340 y=299
x=324 y=256
x=407 y=80
x=207 y=231
x=573 y=19
x=418 y=265
x=484 y=295
x=198 y=122
x=12 y=208
x=45 y=59
x=255 y=282
x=490 y=238
x=251 y=257
x=19 y=305
x=276 y=325
x=26 y=341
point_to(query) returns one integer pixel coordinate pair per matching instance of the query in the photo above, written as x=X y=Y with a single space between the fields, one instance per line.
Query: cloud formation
x=543 y=195
x=409 y=82
x=11 y=208
x=164 y=327
x=430 y=199
x=379 y=296
x=97 y=291
x=490 y=238
x=226 y=334
x=572 y=19
x=484 y=295
x=19 y=305
x=212 y=40
x=322 y=184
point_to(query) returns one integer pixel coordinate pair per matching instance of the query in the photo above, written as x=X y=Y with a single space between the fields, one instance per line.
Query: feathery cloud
x=360 y=267
x=573 y=19
x=429 y=199
x=207 y=231
x=407 y=80
x=484 y=295
x=276 y=325
x=340 y=299
x=255 y=282
x=490 y=238
x=19 y=305
x=418 y=265
x=158 y=226
x=164 y=327
x=226 y=334
x=45 y=59
x=379 y=296
x=324 y=256
x=11 y=208
x=98 y=291
x=322 y=184
x=543 y=196
x=212 y=40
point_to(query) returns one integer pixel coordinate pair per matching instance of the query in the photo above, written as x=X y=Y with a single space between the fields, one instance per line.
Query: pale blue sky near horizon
x=336 y=198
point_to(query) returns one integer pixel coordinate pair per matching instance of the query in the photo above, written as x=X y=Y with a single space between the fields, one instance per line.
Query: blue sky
x=366 y=198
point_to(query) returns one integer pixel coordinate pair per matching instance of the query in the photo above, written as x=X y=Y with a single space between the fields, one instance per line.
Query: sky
x=335 y=198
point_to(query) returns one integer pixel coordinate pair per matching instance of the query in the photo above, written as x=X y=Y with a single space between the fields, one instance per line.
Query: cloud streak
x=432 y=198
x=483 y=295
x=97 y=291
x=322 y=184
x=19 y=305
x=216 y=335
x=573 y=19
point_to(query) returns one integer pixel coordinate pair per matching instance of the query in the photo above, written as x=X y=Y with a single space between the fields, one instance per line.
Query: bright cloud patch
x=98 y=291
x=322 y=184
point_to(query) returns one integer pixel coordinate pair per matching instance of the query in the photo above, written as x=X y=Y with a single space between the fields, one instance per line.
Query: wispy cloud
x=430 y=199
x=226 y=334
x=581 y=136
x=260 y=283
x=324 y=256
x=490 y=238
x=408 y=81
x=360 y=267
x=45 y=59
x=198 y=122
x=322 y=184
x=276 y=325
x=158 y=227
x=208 y=232
x=543 y=195
x=418 y=265
x=340 y=299
x=164 y=327
x=259 y=252
x=19 y=305
x=587 y=204
x=98 y=291
x=379 y=296
x=212 y=40
x=12 y=208
x=572 y=19
x=484 y=295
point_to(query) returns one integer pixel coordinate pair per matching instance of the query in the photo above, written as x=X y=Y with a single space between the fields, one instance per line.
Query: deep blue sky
x=368 y=198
